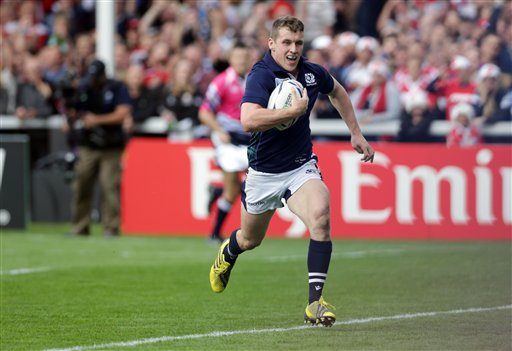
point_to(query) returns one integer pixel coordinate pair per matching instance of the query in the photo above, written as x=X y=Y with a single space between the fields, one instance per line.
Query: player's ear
x=271 y=44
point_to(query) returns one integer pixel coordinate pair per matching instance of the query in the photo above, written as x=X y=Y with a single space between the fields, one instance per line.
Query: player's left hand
x=360 y=144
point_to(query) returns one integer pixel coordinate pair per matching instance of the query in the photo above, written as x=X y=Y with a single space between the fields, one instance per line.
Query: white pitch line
x=275 y=330
x=18 y=271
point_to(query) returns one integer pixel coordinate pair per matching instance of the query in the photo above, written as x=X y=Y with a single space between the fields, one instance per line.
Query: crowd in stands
x=415 y=61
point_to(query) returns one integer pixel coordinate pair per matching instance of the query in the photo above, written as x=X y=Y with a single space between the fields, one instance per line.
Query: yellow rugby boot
x=320 y=312
x=220 y=271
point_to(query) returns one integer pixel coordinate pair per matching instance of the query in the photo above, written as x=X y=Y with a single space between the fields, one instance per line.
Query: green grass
x=101 y=291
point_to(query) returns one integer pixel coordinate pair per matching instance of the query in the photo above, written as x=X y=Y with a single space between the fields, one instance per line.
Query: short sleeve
x=123 y=98
x=327 y=81
x=260 y=84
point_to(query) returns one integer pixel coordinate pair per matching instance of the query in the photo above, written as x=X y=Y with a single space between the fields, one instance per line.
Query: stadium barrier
x=411 y=191
x=319 y=127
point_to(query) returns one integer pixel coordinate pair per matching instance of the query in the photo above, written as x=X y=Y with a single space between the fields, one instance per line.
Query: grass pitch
x=153 y=293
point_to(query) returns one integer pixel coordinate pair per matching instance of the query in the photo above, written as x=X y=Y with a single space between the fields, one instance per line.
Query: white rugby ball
x=281 y=97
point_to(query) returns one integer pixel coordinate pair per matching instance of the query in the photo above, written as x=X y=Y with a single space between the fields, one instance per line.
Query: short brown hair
x=292 y=23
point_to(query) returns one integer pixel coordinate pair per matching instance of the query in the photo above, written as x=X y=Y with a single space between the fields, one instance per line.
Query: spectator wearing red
x=157 y=73
x=378 y=101
x=358 y=74
x=413 y=77
x=463 y=133
x=280 y=8
x=459 y=89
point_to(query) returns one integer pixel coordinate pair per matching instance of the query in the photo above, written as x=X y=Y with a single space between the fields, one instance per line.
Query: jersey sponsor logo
x=310 y=79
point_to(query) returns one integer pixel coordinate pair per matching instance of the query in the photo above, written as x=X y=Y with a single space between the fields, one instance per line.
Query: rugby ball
x=281 y=97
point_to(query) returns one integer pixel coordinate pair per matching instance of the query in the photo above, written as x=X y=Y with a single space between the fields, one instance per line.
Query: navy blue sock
x=232 y=250
x=319 y=257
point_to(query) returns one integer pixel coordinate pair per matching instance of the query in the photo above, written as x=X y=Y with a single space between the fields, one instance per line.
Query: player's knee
x=321 y=225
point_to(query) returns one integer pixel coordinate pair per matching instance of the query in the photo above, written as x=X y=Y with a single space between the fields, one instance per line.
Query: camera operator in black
x=101 y=107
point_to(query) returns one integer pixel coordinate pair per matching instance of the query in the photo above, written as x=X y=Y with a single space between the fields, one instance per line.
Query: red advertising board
x=411 y=191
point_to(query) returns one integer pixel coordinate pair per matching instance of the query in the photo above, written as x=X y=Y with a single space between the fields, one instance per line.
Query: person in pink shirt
x=220 y=111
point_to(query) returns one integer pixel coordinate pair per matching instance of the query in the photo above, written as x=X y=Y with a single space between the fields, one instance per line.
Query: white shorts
x=229 y=157
x=265 y=191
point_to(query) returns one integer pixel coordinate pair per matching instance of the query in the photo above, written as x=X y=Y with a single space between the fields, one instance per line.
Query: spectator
x=29 y=25
x=144 y=100
x=156 y=73
x=489 y=92
x=83 y=54
x=504 y=31
x=378 y=101
x=181 y=100
x=103 y=106
x=201 y=76
x=54 y=69
x=60 y=33
x=413 y=77
x=492 y=105
x=504 y=112
x=33 y=96
x=459 y=89
x=8 y=82
x=318 y=16
x=358 y=74
x=122 y=60
x=342 y=56
x=416 y=118
x=464 y=132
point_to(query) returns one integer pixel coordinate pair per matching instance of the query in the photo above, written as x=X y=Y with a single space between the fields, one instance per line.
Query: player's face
x=287 y=48
x=240 y=60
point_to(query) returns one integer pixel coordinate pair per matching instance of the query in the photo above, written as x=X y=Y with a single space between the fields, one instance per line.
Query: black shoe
x=213 y=194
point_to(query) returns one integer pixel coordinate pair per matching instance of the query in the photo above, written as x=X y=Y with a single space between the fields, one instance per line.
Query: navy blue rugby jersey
x=275 y=151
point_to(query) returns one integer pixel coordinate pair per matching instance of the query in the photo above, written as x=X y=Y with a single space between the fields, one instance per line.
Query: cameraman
x=100 y=109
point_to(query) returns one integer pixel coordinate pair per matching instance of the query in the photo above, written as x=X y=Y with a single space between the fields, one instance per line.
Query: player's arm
x=341 y=101
x=208 y=119
x=256 y=118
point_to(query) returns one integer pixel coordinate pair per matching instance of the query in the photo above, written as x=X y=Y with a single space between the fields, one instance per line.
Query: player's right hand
x=299 y=104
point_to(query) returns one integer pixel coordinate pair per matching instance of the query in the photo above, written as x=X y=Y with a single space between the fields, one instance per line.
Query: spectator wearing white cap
x=347 y=41
x=359 y=75
x=416 y=118
x=459 y=88
x=464 y=132
x=342 y=55
x=492 y=106
x=379 y=100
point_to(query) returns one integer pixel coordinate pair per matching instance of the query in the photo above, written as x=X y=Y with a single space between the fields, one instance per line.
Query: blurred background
x=427 y=78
